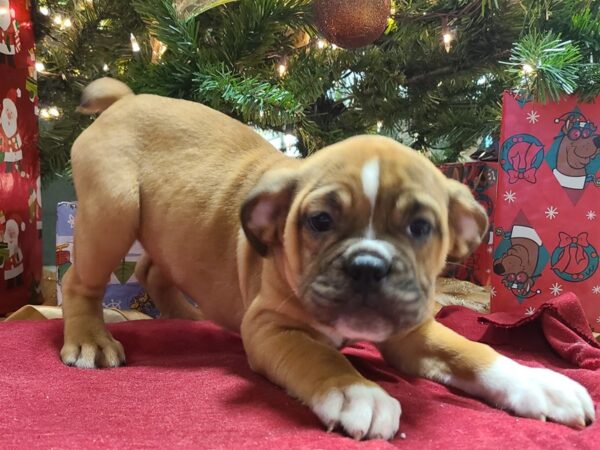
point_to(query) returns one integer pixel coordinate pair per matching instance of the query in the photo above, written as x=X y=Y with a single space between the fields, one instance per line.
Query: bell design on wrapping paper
x=574 y=258
x=521 y=156
x=573 y=155
x=520 y=258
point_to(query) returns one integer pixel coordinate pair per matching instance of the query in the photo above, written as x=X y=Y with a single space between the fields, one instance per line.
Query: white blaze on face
x=370 y=183
x=4 y=14
x=8 y=118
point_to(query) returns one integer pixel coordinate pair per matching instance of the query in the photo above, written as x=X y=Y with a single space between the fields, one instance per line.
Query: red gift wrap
x=481 y=178
x=547 y=229
x=20 y=197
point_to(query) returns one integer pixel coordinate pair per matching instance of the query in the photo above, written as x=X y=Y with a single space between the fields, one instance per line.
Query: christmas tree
x=432 y=77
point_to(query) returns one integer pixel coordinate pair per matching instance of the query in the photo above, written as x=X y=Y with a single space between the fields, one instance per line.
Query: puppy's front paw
x=540 y=394
x=362 y=410
x=90 y=350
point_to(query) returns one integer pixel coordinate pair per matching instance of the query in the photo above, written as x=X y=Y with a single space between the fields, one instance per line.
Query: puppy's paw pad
x=363 y=411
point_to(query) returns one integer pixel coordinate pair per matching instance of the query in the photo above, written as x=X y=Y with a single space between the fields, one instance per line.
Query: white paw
x=362 y=410
x=539 y=393
x=92 y=352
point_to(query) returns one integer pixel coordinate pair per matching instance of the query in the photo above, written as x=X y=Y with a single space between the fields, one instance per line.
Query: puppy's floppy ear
x=467 y=220
x=265 y=209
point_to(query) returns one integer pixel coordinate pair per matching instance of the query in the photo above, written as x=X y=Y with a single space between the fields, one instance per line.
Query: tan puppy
x=300 y=256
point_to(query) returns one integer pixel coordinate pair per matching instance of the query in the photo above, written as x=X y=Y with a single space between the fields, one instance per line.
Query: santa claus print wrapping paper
x=20 y=199
x=547 y=221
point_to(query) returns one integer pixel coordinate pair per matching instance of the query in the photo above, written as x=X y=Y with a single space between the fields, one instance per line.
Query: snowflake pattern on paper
x=112 y=303
x=533 y=117
x=71 y=221
x=596 y=289
x=556 y=289
x=551 y=212
x=529 y=311
x=510 y=196
x=591 y=215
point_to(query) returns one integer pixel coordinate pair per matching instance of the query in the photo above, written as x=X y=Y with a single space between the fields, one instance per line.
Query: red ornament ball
x=351 y=23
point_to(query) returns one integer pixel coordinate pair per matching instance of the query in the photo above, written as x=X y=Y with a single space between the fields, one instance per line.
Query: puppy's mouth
x=364 y=326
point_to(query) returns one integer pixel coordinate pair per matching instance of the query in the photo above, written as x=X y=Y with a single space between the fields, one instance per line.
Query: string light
x=51 y=112
x=105 y=67
x=44 y=10
x=282 y=69
x=58 y=19
x=135 y=47
x=67 y=23
x=379 y=125
x=321 y=43
x=447 y=39
x=333 y=46
x=39 y=66
x=527 y=69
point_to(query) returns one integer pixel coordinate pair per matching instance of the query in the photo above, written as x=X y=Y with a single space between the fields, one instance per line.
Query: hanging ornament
x=351 y=23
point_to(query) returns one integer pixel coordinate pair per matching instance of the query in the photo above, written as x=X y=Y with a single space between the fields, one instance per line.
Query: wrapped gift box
x=123 y=291
x=20 y=199
x=481 y=178
x=547 y=225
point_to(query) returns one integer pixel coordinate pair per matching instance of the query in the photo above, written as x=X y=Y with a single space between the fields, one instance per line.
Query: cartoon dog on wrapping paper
x=578 y=144
x=519 y=264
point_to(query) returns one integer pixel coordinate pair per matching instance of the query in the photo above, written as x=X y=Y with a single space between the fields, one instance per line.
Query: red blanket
x=187 y=385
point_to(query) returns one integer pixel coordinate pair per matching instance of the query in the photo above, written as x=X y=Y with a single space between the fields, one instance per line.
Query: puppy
x=300 y=256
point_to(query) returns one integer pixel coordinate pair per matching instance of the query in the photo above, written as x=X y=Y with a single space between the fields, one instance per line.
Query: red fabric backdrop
x=188 y=385
x=20 y=199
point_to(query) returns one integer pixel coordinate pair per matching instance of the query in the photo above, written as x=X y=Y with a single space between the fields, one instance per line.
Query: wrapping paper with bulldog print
x=20 y=199
x=481 y=178
x=123 y=291
x=547 y=224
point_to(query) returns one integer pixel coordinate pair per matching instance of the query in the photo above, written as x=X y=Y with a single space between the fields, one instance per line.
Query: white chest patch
x=370 y=183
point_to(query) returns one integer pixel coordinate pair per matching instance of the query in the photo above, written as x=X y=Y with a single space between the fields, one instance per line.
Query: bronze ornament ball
x=351 y=23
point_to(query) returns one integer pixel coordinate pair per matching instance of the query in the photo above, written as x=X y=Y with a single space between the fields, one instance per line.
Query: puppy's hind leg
x=169 y=300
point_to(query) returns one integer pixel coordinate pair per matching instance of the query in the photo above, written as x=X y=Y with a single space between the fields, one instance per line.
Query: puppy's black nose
x=367 y=269
x=597 y=141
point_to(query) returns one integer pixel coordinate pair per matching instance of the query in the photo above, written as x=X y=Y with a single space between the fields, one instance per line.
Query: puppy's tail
x=100 y=94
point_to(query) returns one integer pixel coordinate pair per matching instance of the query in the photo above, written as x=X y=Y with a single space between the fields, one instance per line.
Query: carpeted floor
x=187 y=385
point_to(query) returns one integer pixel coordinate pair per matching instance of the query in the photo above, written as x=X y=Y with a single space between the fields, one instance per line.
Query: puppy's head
x=360 y=231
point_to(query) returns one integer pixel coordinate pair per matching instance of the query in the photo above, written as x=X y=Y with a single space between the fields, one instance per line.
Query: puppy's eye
x=320 y=222
x=420 y=228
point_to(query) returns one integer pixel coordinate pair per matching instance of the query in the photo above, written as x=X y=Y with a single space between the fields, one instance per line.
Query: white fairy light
x=39 y=66
x=105 y=67
x=135 y=47
x=58 y=20
x=67 y=23
x=447 y=39
x=379 y=125
x=282 y=69
x=527 y=69
x=321 y=43
x=54 y=111
x=44 y=10
x=44 y=113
